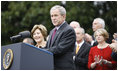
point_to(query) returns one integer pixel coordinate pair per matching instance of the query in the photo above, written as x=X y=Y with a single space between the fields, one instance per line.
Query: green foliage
x=17 y=16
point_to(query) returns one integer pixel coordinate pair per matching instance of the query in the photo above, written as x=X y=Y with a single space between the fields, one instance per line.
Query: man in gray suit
x=61 y=40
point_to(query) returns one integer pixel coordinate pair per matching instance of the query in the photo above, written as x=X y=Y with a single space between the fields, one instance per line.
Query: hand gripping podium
x=22 y=56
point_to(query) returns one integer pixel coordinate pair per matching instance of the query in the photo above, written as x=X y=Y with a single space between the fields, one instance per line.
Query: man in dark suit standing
x=81 y=51
x=61 y=40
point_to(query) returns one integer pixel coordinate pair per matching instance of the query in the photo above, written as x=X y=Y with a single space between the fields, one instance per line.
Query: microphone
x=22 y=35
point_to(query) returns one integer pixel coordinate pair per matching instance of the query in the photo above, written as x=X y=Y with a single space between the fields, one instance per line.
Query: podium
x=22 y=56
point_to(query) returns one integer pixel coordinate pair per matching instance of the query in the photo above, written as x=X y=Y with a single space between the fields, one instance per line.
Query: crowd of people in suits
x=72 y=47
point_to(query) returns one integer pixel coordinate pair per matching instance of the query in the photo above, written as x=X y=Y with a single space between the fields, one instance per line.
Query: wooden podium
x=22 y=56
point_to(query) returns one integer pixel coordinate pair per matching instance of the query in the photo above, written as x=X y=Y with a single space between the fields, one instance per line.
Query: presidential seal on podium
x=7 y=59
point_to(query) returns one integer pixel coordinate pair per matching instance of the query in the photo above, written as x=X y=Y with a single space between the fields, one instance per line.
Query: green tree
x=17 y=16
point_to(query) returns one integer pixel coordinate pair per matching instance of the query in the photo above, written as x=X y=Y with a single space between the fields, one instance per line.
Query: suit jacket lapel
x=52 y=42
x=81 y=49
x=58 y=32
x=75 y=49
x=50 y=37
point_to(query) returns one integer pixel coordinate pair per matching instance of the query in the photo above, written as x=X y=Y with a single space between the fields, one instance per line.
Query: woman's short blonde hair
x=103 y=32
x=41 y=28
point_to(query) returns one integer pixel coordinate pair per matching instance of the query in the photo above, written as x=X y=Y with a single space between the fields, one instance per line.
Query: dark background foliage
x=17 y=16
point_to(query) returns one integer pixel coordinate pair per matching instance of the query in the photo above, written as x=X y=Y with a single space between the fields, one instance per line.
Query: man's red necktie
x=53 y=33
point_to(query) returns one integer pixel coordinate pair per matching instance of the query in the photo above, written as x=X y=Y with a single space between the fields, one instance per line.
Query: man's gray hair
x=83 y=31
x=80 y=28
x=60 y=8
x=101 y=21
x=75 y=22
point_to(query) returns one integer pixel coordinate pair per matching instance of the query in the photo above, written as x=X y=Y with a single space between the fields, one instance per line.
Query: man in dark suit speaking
x=61 y=41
